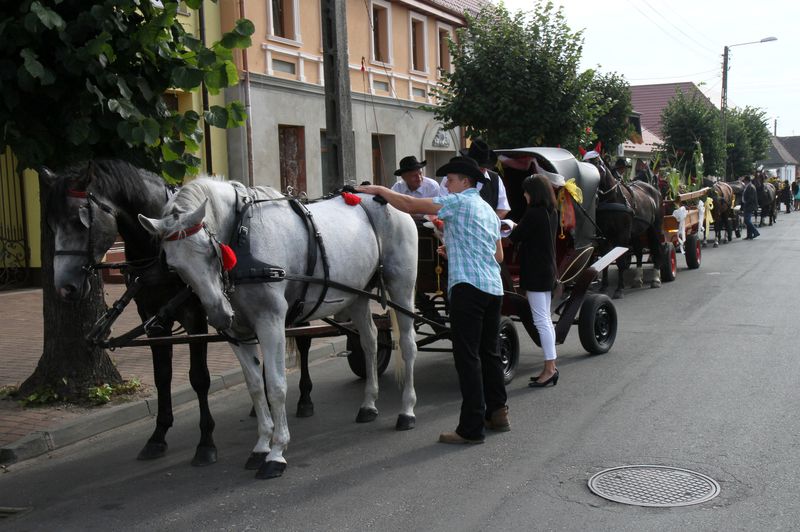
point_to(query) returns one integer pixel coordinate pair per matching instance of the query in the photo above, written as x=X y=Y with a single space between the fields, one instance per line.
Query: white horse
x=278 y=236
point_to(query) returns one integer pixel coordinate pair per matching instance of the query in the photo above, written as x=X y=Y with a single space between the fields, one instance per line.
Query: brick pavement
x=21 y=347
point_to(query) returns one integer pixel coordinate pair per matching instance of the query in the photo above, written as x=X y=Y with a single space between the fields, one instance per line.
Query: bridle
x=90 y=268
x=180 y=234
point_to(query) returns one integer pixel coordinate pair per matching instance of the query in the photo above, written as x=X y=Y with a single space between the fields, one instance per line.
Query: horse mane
x=114 y=177
x=191 y=196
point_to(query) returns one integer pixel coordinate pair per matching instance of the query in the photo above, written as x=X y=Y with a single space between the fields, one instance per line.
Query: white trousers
x=540 y=307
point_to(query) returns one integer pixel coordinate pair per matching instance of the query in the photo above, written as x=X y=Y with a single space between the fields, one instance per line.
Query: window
x=419 y=43
x=416 y=92
x=383 y=159
x=382 y=86
x=444 y=33
x=381 y=32
x=283 y=66
x=284 y=15
x=292 y=153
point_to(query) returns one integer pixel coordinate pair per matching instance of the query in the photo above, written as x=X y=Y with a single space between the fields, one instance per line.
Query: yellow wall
x=33 y=217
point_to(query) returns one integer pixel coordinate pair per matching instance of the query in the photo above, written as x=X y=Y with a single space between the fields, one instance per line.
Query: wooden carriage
x=671 y=232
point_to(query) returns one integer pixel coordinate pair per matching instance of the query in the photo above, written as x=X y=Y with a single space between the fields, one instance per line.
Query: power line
x=676 y=76
x=691 y=38
x=657 y=25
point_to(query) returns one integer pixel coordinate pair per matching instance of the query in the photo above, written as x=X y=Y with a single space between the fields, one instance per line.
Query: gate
x=13 y=231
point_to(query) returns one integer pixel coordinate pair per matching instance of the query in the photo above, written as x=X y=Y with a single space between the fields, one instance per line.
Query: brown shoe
x=453 y=437
x=499 y=420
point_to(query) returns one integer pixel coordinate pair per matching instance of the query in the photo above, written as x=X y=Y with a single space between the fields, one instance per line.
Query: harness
x=249 y=269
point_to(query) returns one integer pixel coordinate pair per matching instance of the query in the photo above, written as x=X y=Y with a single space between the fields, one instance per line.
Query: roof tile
x=650 y=101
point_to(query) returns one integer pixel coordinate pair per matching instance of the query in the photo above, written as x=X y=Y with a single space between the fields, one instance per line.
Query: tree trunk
x=69 y=364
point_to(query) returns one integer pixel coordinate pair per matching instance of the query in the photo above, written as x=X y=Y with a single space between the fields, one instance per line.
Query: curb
x=41 y=442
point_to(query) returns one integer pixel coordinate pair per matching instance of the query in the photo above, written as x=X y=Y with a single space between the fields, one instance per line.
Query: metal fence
x=14 y=253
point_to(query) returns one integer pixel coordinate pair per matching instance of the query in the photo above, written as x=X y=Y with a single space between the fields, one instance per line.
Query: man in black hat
x=621 y=167
x=474 y=254
x=490 y=187
x=412 y=182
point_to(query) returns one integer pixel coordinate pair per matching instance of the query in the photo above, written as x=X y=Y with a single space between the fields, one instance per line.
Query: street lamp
x=724 y=103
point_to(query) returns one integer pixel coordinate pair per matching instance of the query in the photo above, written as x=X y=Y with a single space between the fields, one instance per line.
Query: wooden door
x=292 y=148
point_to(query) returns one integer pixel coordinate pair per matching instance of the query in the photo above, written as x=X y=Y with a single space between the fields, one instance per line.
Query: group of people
x=471 y=200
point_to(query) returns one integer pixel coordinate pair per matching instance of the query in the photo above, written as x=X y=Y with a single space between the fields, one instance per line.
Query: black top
x=749 y=198
x=536 y=234
x=490 y=191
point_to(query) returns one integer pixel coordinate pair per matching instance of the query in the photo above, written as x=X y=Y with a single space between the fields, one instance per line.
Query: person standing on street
x=749 y=206
x=796 y=193
x=536 y=234
x=474 y=251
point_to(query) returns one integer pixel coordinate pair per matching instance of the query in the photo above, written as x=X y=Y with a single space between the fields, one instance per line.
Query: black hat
x=622 y=162
x=461 y=165
x=408 y=164
x=479 y=151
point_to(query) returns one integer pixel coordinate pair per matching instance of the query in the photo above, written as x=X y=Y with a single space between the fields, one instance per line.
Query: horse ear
x=47 y=176
x=151 y=225
x=197 y=216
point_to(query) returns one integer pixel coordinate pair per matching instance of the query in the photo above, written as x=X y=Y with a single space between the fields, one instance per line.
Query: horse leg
x=401 y=291
x=656 y=255
x=206 y=451
x=156 y=445
x=272 y=340
x=368 y=336
x=248 y=357
x=622 y=266
x=305 y=407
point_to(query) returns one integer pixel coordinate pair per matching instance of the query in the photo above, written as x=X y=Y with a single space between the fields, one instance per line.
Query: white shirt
x=428 y=189
x=502 y=198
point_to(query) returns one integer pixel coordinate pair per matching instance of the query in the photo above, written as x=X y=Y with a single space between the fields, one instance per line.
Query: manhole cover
x=652 y=485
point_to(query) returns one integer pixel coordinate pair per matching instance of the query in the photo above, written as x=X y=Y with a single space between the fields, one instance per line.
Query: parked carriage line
x=99 y=205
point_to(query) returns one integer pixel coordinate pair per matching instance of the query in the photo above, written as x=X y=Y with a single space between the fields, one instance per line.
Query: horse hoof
x=271 y=469
x=366 y=415
x=716 y=244
x=636 y=284
x=655 y=284
x=305 y=409
x=405 y=422
x=617 y=295
x=204 y=455
x=255 y=461
x=252 y=411
x=152 y=450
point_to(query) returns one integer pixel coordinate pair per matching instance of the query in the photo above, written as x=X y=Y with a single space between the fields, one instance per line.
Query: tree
x=754 y=121
x=739 y=160
x=685 y=122
x=613 y=107
x=80 y=80
x=516 y=83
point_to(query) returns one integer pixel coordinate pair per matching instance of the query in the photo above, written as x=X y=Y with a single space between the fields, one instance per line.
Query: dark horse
x=722 y=213
x=627 y=214
x=767 y=199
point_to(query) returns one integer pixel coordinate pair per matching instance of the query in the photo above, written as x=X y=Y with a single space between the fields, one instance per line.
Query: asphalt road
x=703 y=376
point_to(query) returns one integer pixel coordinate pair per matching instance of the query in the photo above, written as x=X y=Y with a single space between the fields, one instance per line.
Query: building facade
x=396 y=51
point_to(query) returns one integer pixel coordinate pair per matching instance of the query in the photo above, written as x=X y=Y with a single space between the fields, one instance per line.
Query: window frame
x=412 y=17
x=296 y=39
x=440 y=27
x=387 y=7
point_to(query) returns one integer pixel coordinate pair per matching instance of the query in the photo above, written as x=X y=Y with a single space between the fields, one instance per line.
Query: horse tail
x=291 y=348
x=399 y=364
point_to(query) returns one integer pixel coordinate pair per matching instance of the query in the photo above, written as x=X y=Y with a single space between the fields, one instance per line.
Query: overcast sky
x=662 y=41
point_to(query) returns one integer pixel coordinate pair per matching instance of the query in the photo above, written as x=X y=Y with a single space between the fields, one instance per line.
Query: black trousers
x=475 y=328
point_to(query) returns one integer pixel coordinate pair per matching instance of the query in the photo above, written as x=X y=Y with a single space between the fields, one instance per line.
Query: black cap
x=408 y=164
x=479 y=152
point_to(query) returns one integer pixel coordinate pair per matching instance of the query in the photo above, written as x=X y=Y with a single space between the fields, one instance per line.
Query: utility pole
x=338 y=104
x=723 y=107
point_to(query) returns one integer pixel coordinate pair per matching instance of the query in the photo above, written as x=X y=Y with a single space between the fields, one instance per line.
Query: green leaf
x=172 y=149
x=244 y=27
x=151 y=132
x=193 y=4
x=217 y=116
x=173 y=171
x=32 y=65
x=187 y=78
x=77 y=132
x=49 y=18
x=237 y=115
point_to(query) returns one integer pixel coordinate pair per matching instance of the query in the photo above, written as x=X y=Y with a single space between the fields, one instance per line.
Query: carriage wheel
x=692 y=247
x=597 y=324
x=509 y=348
x=356 y=357
x=669 y=263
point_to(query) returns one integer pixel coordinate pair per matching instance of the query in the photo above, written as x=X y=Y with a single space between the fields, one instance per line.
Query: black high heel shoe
x=553 y=379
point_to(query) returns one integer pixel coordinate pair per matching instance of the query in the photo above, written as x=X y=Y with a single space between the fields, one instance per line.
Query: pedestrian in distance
x=796 y=193
x=749 y=207
x=536 y=235
x=474 y=252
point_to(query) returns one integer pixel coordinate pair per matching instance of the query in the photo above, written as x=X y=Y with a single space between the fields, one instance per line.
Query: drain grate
x=652 y=485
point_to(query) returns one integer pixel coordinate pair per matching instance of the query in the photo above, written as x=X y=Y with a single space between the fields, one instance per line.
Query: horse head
x=84 y=224
x=193 y=251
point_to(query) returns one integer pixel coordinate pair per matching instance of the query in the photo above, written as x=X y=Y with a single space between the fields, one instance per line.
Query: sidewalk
x=26 y=432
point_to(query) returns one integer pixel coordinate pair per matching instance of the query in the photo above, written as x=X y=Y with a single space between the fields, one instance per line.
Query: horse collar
x=183 y=233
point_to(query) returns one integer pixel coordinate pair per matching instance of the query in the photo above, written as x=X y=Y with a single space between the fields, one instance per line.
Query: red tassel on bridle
x=351 y=199
x=228 y=257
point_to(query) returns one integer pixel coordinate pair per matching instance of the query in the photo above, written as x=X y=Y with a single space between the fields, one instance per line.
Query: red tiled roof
x=650 y=100
x=648 y=144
